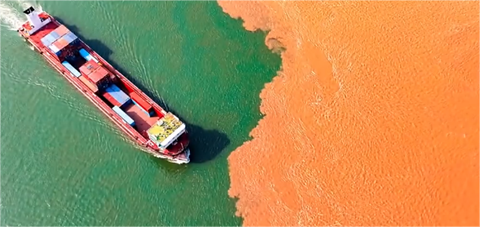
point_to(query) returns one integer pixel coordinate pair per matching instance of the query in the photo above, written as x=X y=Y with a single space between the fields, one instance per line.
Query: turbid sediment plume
x=373 y=119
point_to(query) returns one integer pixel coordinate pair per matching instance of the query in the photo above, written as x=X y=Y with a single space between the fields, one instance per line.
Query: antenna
x=29 y=10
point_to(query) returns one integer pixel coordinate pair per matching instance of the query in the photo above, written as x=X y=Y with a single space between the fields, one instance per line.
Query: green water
x=64 y=163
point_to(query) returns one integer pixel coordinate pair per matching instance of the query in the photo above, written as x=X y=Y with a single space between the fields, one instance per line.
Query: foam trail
x=10 y=17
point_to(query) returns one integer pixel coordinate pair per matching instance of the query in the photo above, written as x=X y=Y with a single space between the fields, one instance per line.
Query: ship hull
x=145 y=144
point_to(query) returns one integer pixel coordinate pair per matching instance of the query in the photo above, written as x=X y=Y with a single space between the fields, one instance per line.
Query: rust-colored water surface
x=373 y=119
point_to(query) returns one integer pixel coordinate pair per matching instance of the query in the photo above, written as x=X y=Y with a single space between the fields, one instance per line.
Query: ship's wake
x=11 y=16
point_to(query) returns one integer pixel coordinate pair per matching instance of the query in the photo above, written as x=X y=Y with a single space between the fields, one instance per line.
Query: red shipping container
x=89 y=67
x=61 y=30
x=63 y=42
x=89 y=84
x=60 y=43
x=98 y=75
x=56 y=45
x=140 y=101
x=112 y=100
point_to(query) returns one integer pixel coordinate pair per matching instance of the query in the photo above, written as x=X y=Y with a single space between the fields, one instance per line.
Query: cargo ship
x=158 y=132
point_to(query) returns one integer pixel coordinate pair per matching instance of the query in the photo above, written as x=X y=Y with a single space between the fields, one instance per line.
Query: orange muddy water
x=373 y=119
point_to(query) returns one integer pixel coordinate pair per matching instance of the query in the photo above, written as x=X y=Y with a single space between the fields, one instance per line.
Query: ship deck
x=142 y=120
x=45 y=30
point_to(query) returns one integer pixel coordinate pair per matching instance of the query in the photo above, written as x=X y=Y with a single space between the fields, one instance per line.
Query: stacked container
x=54 y=35
x=142 y=104
x=99 y=76
x=95 y=73
x=55 y=49
x=70 y=37
x=61 y=30
x=70 y=68
x=50 y=38
x=87 y=56
x=124 y=116
x=64 y=41
x=60 y=43
x=88 y=67
x=116 y=96
x=89 y=84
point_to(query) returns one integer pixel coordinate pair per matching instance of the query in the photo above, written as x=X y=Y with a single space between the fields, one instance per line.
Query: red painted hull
x=148 y=146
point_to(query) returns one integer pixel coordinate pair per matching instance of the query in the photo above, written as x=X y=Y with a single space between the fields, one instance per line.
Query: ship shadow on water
x=204 y=146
